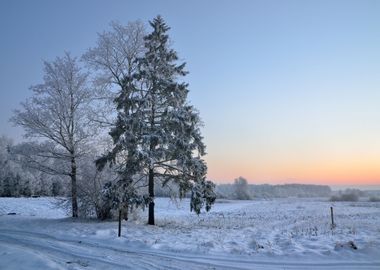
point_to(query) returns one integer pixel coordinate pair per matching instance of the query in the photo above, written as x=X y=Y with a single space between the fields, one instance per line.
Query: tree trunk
x=74 y=200
x=125 y=212
x=151 y=195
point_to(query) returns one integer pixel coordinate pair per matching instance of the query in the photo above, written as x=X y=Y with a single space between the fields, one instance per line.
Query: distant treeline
x=229 y=191
x=241 y=190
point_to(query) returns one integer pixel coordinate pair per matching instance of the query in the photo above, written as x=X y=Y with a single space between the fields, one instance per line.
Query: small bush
x=374 y=199
x=346 y=197
x=349 y=244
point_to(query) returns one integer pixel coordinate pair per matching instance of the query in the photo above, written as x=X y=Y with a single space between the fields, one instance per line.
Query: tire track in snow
x=103 y=256
x=92 y=255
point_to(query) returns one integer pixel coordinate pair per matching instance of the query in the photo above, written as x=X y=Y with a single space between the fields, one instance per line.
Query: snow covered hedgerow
x=374 y=199
x=345 y=197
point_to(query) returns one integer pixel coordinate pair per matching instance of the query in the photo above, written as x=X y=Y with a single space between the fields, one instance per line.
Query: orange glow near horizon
x=364 y=171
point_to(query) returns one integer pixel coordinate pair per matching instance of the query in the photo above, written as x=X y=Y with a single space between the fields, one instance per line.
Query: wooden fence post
x=119 y=233
x=332 y=218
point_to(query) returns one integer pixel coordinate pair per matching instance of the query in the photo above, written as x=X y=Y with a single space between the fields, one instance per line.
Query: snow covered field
x=273 y=234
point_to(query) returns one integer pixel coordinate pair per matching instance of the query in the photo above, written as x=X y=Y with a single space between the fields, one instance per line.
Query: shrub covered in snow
x=345 y=197
x=374 y=199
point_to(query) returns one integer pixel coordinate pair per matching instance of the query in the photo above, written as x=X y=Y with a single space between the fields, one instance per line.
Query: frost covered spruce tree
x=112 y=60
x=157 y=132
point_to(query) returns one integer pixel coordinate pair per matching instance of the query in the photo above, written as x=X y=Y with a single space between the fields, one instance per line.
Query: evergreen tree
x=157 y=133
x=7 y=187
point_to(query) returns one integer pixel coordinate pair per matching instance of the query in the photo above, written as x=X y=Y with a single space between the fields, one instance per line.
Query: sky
x=289 y=91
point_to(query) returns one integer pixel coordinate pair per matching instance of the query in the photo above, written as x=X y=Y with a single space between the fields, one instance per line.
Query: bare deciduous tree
x=241 y=189
x=58 y=113
x=113 y=59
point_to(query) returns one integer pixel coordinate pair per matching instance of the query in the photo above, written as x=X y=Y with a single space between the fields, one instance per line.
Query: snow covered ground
x=267 y=234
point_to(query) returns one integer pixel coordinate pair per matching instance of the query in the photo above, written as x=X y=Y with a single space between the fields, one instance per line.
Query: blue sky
x=288 y=90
